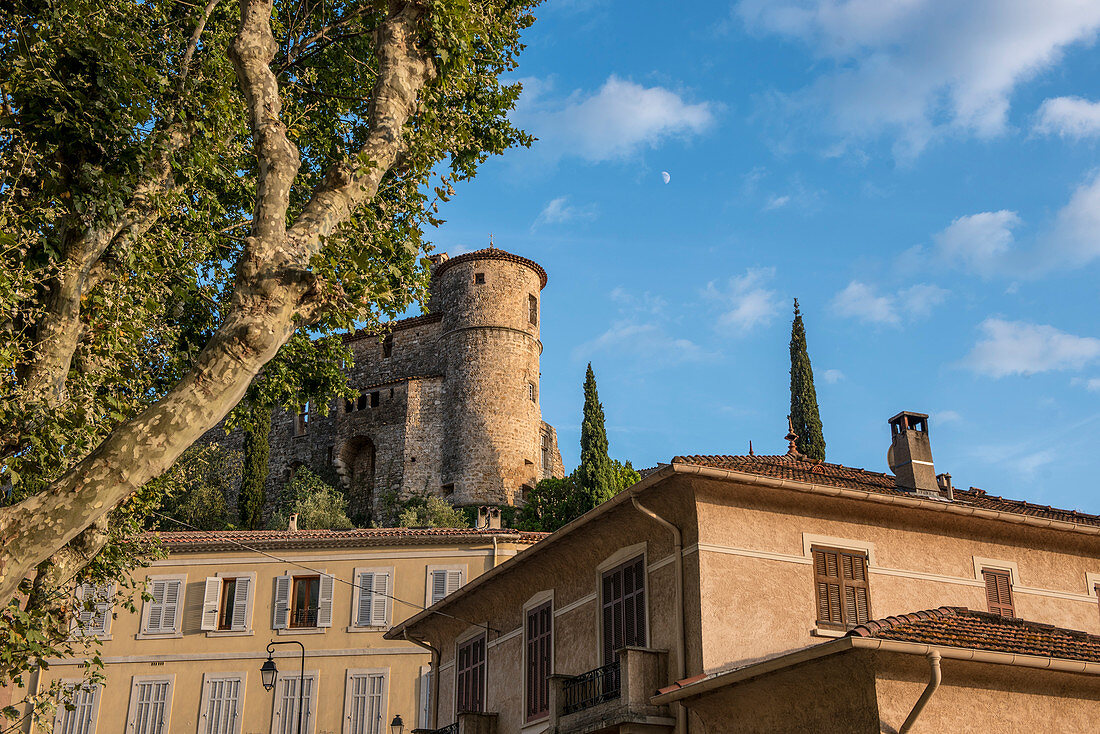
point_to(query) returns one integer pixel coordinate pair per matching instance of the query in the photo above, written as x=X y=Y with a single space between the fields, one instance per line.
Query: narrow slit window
x=533 y=310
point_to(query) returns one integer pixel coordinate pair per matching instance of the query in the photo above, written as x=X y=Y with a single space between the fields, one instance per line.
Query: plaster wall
x=756 y=573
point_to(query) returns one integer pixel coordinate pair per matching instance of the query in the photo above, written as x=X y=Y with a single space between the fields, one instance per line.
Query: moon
x=665 y=176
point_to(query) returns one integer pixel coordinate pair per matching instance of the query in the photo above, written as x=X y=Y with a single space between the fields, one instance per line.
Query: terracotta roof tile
x=210 y=540
x=835 y=475
x=962 y=627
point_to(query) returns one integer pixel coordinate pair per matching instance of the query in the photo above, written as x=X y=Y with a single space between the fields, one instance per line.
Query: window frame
x=248 y=609
x=321 y=625
x=146 y=609
x=844 y=624
x=103 y=632
x=301 y=421
x=354 y=626
x=135 y=682
x=204 y=699
x=532 y=309
x=93 y=715
x=351 y=673
x=310 y=720
x=618 y=562
x=991 y=573
x=533 y=606
x=470 y=639
x=464 y=579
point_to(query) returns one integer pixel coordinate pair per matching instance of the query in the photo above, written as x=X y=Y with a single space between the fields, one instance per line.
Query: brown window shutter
x=538 y=661
x=841 y=589
x=998 y=592
x=470 y=682
x=624 y=608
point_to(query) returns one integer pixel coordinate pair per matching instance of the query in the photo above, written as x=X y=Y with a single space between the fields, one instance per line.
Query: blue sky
x=923 y=175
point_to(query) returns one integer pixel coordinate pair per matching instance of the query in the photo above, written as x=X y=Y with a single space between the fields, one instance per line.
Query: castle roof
x=490 y=253
x=194 y=541
x=801 y=469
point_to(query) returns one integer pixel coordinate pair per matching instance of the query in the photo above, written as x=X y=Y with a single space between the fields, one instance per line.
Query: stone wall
x=448 y=401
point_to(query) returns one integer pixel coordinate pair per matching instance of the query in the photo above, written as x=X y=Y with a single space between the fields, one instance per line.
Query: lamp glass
x=268 y=671
x=397 y=726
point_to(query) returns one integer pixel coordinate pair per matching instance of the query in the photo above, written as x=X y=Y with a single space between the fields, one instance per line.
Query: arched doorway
x=356 y=467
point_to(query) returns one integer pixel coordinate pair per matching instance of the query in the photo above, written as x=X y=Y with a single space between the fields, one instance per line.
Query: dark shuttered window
x=624 y=608
x=840 y=584
x=471 y=676
x=539 y=649
x=998 y=592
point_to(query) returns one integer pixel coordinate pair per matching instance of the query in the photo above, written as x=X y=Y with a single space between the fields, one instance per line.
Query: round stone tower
x=493 y=442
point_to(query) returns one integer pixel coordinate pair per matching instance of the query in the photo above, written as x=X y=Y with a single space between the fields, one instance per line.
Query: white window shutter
x=84 y=616
x=425 y=684
x=156 y=607
x=363 y=607
x=439 y=585
x=211 y=601
x=454 y=580
x=171 y=605
x=241 y=598
x=380 y=600
x=281 y=611
x=104 y=598
x=324 y=601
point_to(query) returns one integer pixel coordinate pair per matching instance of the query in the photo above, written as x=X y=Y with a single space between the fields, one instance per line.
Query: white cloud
x=615 y=123
x=946 y=416
x=1021 y=348
x=776 y=202
x=745 y=301
x=832 y=376
x=916 y=69
x=861 y=301
x=642 y=331
x=1093 y=385
x=985 y=243
x=558 y=211
x=1070 y=117
x=978 y=242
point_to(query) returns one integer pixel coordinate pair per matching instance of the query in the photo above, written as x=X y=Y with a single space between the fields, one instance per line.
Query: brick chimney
x=910 y=455
x=292 y=526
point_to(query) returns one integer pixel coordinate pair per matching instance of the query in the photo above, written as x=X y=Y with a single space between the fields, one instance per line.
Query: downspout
x=494 y=551
x=681 y=644
x=434 y=673
x=933 y=684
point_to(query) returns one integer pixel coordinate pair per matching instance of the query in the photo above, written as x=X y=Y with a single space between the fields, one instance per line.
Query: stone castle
x=448 y=401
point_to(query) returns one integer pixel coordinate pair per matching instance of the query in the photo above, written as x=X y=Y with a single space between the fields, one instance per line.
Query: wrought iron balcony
x=592 y=688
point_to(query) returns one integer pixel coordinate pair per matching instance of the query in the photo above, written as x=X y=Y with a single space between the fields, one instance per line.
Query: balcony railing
x=449 y=729
x=303 y=617
x=592 y=688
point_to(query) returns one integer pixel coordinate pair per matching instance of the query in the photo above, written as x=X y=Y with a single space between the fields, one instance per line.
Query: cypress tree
x=596 y=481
x=250 y=501
x=804 y=414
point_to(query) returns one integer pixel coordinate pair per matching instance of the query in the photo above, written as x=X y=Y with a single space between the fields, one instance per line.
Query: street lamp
x=397 y=726
x=268 y=672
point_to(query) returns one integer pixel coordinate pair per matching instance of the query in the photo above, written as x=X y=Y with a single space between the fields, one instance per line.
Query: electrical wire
x=352 y=584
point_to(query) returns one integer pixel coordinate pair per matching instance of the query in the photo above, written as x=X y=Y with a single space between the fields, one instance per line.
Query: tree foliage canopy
x=805 y=419
x=188 y=193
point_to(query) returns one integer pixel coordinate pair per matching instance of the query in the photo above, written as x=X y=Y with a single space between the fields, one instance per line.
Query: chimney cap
x=907 y=414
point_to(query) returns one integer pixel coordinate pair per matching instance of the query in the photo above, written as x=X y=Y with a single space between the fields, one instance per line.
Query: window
x=301 y=421
x=479 y=278
x=284 y=718
x=539 y=645
x=150 y=705
x=375 y=399
x=162 y=612
x=840 y=583
x=443 y=581
x=424 y=694
x=303 y=601
x=998 y=592
x=220 y=710
x=361 y=402
x=533 y=310
x=531 y=391
x=387 y=346
x=77 y=708
x=624 y=608
x=227 y=603
x=470 y=667
x=372 y=600
x=547 y=465
x=93 y=618
x=365 y=702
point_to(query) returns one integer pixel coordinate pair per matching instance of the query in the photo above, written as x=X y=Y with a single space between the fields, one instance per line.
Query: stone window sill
x=538 y=726
x=382 y=628
x=302 y=631
x=229 y=633
x=828 y=632
x=166 y=636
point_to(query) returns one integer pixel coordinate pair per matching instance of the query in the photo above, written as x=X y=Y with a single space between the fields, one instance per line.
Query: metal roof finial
x=791 y=437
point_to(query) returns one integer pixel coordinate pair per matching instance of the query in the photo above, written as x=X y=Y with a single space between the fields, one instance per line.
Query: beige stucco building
x=740 y=593
x=189 y=661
